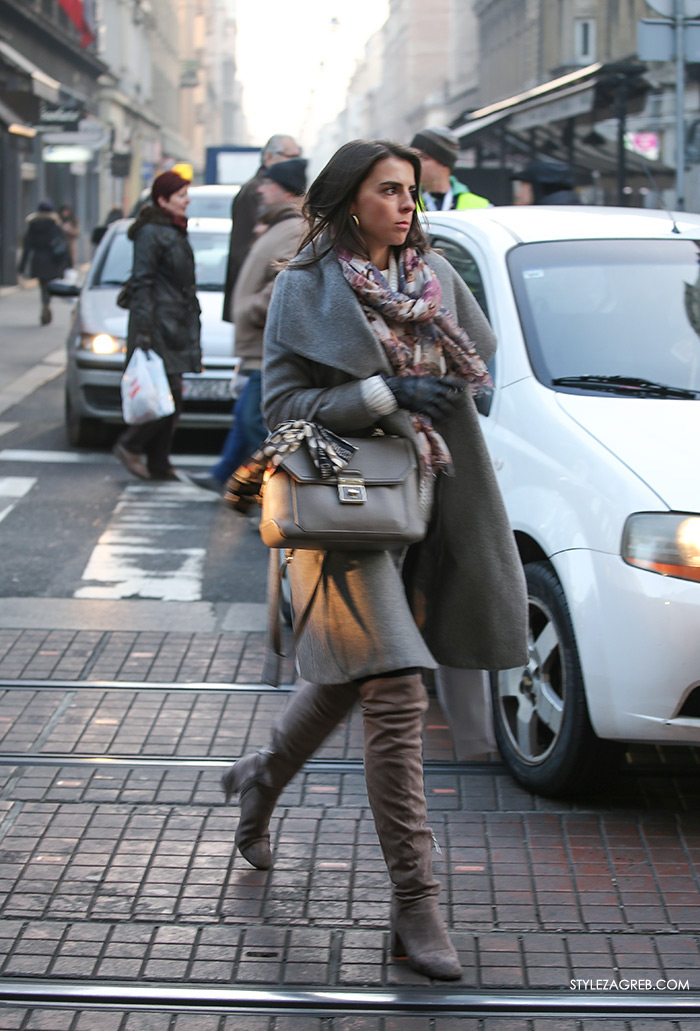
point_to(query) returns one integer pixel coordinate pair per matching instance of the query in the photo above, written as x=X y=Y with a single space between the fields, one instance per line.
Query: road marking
x=143 y=554
x=8 y=427
x=47 y=369
x=87 y=457
x=12 y=488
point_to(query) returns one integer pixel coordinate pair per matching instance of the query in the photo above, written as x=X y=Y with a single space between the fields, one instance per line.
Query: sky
x=295 y=59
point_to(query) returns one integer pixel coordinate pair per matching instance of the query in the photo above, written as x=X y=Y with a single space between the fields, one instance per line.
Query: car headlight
x=102 y=343
x=663 y=542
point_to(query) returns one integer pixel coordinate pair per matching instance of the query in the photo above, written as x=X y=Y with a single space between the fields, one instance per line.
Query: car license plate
x=202 y=389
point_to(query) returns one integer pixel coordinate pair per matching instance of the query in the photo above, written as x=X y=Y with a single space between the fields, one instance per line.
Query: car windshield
x=211 y=205
x=210 y=259
x=611 y=315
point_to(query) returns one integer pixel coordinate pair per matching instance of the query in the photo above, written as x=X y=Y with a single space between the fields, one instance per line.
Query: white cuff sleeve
x=377 y=396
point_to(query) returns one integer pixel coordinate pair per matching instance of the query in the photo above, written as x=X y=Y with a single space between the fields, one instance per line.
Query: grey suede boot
x=259 y=777
x=393 y=710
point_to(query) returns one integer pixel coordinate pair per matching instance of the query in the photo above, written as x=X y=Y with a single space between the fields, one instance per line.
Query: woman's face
x=384 y=206
x=176 y=203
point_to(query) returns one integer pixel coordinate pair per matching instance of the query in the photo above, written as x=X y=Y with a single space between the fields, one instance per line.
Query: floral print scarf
x=420 y=336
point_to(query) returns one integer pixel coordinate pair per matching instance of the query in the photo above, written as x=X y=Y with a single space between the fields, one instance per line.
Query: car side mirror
x=57 y=288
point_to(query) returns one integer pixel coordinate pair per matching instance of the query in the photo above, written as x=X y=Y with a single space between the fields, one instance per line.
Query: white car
x=593 y=428
x=96 y=343
x=207 y=201
x=211 y=201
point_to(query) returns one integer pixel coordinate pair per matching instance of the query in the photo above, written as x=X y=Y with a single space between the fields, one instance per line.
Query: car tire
x=81 y=432
x=540 y=714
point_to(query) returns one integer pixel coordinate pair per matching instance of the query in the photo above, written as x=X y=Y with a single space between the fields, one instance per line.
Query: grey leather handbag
x=370 y=505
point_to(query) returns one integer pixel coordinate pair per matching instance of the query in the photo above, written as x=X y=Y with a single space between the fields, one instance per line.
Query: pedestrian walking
x=71 y=228
x=163 y=317
x=438 y=148
x=544 y=181
x=44 y=252
x=113 y=215
x=368 y=329
x=245 y=212
x=281 y=189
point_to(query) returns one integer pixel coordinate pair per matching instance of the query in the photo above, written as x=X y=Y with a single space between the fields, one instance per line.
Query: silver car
x=96 y=343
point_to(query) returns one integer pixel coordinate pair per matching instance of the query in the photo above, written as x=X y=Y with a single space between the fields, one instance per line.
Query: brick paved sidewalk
x=125 y=873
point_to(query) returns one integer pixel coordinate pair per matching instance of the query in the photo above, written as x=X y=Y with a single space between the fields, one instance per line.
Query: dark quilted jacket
x=163 y=305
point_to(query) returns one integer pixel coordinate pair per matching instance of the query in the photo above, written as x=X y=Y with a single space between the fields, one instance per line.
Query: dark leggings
x=154 y=439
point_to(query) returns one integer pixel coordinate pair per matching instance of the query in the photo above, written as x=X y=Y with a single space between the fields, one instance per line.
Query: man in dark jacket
x=163 y=317
x=544 y=181
x=45 y=251
x=282 y=188
x=245 y=210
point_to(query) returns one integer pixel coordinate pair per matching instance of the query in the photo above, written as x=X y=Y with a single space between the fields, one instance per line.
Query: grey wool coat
x=458 y=599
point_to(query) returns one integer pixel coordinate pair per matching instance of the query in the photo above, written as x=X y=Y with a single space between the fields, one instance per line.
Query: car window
x=611 y=308
x=115 y=267
x=465 y=264
x=210 y=260
x=210 y=205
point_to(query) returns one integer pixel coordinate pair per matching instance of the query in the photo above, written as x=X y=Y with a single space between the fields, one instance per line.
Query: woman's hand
x=434 y=396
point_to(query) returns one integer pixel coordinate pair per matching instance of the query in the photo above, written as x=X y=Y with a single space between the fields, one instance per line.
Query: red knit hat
x=165 y=184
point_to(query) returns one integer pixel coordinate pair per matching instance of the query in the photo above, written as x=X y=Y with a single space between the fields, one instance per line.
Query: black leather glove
x=434 y=396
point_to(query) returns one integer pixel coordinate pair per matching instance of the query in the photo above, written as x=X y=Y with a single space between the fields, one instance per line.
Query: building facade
x=524 y=78
x=90 y=113
x=50 y=131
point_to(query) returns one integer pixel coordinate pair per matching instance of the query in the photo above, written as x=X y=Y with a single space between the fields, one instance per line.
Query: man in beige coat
x=282 y=188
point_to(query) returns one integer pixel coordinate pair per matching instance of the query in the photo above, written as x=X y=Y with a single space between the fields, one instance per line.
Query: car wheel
x=81 y=432
x=541 y=720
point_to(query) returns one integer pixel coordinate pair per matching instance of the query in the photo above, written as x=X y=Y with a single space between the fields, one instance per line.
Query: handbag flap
x=381 y=459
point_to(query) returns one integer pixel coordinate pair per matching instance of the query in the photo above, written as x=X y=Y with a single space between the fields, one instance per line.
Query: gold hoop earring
x=355 y=220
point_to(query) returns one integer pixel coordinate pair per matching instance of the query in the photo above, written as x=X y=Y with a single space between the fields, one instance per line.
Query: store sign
x=66 y=155
x=63 y=119
x=645 y=143
x=555 y=109
x=90 y=133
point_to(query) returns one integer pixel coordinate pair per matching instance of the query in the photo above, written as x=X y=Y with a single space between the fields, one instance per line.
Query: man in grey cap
x=440 y=190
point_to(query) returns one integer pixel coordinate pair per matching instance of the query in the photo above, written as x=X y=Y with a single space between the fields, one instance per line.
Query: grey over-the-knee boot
x=393 y=709
x=259 y=777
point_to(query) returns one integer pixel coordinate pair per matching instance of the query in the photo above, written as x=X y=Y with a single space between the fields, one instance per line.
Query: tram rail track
x=441 y=766
x=315 y=1000
x=315 y=765
x=323 y=1002
x=142 y=685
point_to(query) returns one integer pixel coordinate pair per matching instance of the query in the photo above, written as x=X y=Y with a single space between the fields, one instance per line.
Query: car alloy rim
x=531 y=699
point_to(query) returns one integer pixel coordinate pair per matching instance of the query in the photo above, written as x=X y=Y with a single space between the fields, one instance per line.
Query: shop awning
x=12 y=121
x=43 y=86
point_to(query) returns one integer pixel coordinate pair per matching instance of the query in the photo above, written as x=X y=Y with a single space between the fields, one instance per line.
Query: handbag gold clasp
x=351 y=489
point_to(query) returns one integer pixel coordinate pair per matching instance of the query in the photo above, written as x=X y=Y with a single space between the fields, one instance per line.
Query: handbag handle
x=271 y=673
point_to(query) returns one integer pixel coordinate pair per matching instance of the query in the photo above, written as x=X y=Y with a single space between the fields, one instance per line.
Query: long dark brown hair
x=331 y=195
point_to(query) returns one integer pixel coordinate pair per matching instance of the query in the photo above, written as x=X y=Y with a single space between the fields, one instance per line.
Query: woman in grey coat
x=368 y=330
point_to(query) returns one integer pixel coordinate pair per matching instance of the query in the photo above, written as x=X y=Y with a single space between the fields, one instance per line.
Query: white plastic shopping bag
x=145 y=389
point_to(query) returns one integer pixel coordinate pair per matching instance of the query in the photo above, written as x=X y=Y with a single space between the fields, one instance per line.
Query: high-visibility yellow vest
x=470 y=200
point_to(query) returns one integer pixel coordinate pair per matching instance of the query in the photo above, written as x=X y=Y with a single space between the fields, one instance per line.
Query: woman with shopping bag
x=163 y=318
x=369 y=330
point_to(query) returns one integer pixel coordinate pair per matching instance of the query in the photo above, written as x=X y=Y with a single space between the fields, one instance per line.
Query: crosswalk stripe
x=87 y=457
x=142 y=554
x=12 y=488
